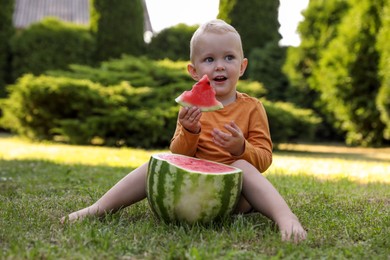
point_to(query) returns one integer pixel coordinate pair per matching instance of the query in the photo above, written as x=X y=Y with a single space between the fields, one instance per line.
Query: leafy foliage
x=256 y=21
x=347 y=75
x=316 y=31
x=172 y=43
x=383 y=97
x=80 y=111
x=50 y=44
x=6 y=31
x=101 y=105
x=297 y=124
x=266 y=67
x=258 y=25
x=119 y=28
x=335 y=70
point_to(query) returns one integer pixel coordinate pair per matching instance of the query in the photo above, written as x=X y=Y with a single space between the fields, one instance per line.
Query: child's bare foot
x=79 y=215
x=70 y=218
x=291 y=229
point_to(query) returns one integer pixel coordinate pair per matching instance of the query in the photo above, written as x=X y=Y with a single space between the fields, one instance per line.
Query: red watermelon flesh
x=196 y=165
x=202 y=95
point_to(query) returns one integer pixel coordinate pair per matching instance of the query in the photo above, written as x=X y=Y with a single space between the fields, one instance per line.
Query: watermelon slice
x=190 y=190
x=202 y=95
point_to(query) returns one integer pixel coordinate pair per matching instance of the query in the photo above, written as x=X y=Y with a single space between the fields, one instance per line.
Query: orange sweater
x=249 y=114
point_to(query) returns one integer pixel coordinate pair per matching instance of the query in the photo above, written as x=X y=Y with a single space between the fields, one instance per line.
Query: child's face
x=219 y=55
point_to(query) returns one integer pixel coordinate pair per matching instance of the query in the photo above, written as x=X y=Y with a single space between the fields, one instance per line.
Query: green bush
x=80 y=111
x=172 y=43
x=289 y=123
x=85 y=111
x=383 y=97
x=6 y=31
x=266 y=67
x=118 y=27
x=383 y=103
x=140 y=71
x=252 y=88
x=50 y=44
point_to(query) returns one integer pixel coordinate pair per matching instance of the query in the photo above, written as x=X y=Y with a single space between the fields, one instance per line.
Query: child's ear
x=191 y=69
x=244 y=64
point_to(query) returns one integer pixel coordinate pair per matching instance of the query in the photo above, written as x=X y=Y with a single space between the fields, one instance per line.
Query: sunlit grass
x=13 y=148
x=362 y=165
x=340 y=194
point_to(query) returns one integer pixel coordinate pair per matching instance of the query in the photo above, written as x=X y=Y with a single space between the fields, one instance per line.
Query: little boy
x=237 y=135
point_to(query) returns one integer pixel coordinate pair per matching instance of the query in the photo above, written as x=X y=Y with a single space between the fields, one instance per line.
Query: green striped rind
x=175 y=194
x=202 y=108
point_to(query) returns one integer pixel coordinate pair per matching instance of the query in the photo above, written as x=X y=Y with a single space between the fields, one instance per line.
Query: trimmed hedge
x=118 y=27
x=6 y=31
x=50 y=44
x=85 y=111
x=172 y=43
x=290 y=124
x=81 y=112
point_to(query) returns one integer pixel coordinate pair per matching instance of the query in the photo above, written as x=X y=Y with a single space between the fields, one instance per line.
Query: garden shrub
x=289 y=123
x=252 y=88
x=80 y=111
x=383 y=104
x=140 y=71
x=6 y=31
x=50 y=44
x=85 y=111
x=118 y=27
x=172 y=43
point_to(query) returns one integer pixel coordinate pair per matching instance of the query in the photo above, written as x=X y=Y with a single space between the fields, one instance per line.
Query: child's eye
x=229 y=57
x=209 y=59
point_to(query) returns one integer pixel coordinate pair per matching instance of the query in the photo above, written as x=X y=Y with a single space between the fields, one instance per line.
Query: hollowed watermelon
x=202 y=95
x=185 y=189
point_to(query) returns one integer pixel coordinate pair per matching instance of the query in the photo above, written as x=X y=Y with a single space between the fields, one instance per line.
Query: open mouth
x=220 y=78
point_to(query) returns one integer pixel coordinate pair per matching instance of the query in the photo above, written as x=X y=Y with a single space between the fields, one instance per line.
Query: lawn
x=342 y=196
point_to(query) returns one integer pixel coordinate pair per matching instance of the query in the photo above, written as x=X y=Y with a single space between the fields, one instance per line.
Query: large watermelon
x=202 y=95
x=185 y=189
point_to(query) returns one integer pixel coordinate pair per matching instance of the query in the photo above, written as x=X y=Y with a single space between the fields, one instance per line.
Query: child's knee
x=245 y=166
x=240 y=163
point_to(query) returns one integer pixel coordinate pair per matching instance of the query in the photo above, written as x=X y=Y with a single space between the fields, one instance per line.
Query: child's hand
x=189 y=118
x=233 y=141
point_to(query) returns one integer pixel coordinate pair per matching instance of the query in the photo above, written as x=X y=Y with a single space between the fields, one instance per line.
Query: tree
x=119 y=27
x=256 y=21
x=383 y=98
x=258 y=24
x=172 y=43
x=266 y=64
x=347 y=74
x=6 y=31
x=318 y=28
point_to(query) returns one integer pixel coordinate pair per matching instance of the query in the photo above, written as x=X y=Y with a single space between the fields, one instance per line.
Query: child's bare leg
x=262 y=195
x=129 y=190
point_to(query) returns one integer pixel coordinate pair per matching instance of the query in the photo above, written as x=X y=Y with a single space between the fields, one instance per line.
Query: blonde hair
x=214 y=26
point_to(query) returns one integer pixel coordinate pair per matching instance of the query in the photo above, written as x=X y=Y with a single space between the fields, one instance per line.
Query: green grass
x=342 y=196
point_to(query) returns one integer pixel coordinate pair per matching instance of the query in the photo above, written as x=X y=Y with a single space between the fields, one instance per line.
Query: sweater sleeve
x=258 y=144
x=183 y=141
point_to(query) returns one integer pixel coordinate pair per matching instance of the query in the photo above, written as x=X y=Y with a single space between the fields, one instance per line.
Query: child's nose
x=220 y=66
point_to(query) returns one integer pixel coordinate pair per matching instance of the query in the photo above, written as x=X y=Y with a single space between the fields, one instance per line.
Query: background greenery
x=55 y=44
x=334 y=86
x=118 y=28
x=124 y=102
x=339 y=71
